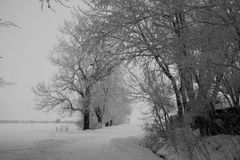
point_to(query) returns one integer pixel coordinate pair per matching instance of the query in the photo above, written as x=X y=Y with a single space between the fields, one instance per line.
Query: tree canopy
x=188 y=50
x=81 y=66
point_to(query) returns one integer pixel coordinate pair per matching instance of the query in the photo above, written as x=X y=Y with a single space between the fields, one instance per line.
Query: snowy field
x=42 y=142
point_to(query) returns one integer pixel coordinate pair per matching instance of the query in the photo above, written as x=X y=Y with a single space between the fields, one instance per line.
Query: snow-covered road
x=112 y=143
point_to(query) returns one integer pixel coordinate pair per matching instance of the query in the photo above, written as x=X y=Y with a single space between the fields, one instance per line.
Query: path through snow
x=112 y=143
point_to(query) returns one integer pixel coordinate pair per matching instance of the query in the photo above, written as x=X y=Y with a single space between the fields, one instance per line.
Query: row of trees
x=187 y=51
x=88 y=78
x=184 y=59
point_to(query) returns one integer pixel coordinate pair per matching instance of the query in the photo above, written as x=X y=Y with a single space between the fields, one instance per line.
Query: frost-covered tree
x=194 y=44
x=185 y=38
x=80 y=67
x=111 y=99
x=148 y=84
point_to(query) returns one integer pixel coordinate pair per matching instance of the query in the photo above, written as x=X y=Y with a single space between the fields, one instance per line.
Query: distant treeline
x=33 y=121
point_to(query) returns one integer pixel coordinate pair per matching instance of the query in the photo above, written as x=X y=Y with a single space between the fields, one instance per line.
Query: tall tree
x=176 y=35
x=195 y=44
x=79 y=68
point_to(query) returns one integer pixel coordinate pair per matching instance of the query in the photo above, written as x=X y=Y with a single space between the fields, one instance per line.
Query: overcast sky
x=25 y=52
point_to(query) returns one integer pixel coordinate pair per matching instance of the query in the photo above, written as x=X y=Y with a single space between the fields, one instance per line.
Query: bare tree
x=154 y=88
x=80 y=67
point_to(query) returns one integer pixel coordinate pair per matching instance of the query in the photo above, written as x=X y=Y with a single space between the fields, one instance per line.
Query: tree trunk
x=86 y=104
x=174 y=84
x=99 y=118
x=99 y=114
x=86 y=120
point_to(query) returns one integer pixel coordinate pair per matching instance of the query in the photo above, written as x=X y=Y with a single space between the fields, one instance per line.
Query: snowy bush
x=184 y=144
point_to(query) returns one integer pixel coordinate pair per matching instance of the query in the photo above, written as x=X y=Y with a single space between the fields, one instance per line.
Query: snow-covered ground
x=187 y=146
x=42 y=142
